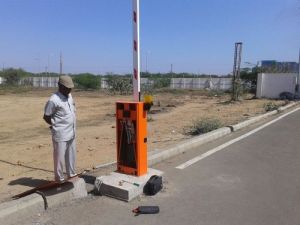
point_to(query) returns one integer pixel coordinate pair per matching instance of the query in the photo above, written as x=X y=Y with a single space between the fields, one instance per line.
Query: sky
x=195 y=36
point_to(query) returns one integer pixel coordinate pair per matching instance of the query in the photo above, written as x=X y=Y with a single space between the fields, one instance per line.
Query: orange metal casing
x=138 y=115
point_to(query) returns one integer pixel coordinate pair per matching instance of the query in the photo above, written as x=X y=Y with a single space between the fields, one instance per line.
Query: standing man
x=60 y=115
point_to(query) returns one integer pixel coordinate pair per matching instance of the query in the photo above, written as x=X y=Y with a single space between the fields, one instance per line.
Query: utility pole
x=147 y=62
x=60 y=64
x=48 y=65
x=298 y=78
x=236 y=82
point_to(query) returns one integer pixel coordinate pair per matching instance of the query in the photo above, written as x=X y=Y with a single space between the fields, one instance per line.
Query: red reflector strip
x=135 y=74
x=135 y=45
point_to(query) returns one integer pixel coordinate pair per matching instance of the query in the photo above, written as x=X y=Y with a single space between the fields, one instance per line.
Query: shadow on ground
x=28 y=181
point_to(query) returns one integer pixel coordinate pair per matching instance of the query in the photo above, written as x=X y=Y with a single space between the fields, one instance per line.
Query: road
x=255 y=180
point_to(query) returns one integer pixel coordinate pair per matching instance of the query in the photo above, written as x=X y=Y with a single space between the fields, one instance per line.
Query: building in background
x=271 y=85
x=273 y=66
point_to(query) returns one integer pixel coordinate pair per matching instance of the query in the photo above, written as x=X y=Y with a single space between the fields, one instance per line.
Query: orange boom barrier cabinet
x=131 y=124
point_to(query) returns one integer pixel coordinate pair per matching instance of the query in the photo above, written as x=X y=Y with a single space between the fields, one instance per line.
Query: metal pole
x=236 y=71
x=136 y=50
x=298 y=78
x=48 y=64
x=299 y=68
x=146 y=62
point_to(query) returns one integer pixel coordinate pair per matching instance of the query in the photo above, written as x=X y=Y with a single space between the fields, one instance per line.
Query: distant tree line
x=13 y=76
x=119 y=82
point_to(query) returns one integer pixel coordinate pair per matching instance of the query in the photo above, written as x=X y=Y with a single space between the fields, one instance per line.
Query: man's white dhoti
x=64 y=154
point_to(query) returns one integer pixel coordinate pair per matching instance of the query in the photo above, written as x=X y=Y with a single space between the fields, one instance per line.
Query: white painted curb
x=280 y=109
x=252 y=120
x=255 y=119
x=191 y=143
x=34 y=203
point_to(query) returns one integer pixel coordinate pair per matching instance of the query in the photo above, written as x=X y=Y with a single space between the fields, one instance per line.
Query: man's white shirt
x=63 y=119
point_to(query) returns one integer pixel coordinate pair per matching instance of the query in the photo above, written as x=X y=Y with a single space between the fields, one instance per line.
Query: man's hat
x=66 y=81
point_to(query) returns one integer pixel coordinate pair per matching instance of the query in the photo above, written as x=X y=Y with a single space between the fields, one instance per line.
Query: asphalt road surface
x=253 y=181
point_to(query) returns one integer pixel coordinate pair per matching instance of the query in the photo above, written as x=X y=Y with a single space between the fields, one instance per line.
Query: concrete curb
x=34 y=203
x=253 y=120
x=191 y=143
x=282 y=108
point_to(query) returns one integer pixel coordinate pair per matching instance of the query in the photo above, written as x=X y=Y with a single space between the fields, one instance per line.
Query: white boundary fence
x=46 y=82
x=189 y=83
x=202 y=83
x=176 y=83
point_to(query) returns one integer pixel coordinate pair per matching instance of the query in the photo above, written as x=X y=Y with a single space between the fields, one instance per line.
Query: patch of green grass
x=203 y=126
x=270 y=106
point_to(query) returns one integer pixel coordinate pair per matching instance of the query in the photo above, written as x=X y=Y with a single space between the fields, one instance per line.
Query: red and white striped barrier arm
x=136 y=50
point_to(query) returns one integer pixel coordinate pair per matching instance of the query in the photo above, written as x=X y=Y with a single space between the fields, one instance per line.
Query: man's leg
x=70 y=158
x=58 y=158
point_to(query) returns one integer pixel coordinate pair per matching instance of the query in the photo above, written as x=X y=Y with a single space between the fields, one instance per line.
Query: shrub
x=161 y=82
x=270 y=106
x=119 y=85
x=86 y=81
x=155 y=84
x=203 y=126
x=13 y=76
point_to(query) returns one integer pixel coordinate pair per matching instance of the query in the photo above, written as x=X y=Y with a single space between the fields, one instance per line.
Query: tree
x=119 y=84
x=249 y=76
x=13 y=76
x=87 y=81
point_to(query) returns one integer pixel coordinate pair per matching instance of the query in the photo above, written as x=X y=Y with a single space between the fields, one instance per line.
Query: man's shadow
x=28 y=181
x=46 y=187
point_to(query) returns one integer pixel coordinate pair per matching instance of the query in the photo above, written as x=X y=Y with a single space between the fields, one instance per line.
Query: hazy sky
x=194 y=35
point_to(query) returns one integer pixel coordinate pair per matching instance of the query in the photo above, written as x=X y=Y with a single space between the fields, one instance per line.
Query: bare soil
x=25 y=139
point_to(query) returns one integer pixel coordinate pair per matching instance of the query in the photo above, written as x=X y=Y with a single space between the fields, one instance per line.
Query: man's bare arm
x=47 y=119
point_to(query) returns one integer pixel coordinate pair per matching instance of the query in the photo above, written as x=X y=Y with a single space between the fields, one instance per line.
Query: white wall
x=40 y=81
x=222 y=83
x=270 y=85
x=201 y=83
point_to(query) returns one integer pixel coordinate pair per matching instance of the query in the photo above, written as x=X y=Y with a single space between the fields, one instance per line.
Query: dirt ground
x=25 y=140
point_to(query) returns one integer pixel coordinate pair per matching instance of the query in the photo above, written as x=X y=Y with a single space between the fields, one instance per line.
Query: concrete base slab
x=122 y=186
